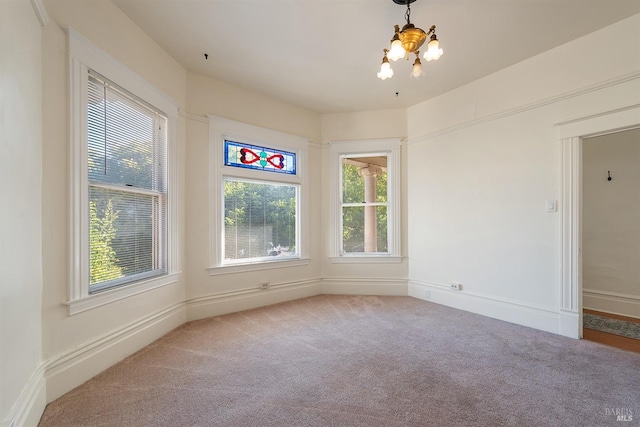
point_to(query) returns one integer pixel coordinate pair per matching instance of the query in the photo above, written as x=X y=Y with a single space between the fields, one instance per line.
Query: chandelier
x=407 y=41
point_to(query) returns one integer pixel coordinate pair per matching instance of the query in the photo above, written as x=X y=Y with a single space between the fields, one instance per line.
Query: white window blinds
x=127 y=175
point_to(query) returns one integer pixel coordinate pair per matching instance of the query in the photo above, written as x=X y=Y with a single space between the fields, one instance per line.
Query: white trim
x=571 y=273
x=570 y=324
x=600 y=124
x=257 y=266
x=116 y=294
x=173 y=197
x=248 y=298
x=79 y=215
x=366 y=259
x=194 y=117
x=612 y=302
x=519 y=312
x=30 y=405
x=221 y=129
x=41 y=12
x=612 y=295
x=364 y=286
x=68 y=370
x=571 y=134
x=84 y=55
x=531 y=106
x=392 y=148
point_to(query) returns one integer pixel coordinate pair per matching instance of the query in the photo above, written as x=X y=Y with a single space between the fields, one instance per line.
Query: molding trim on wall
x=248 y=298
x=612 y=295
x=364 y=259
x=603 y=123
x=30 y=405
x=612 y=302
x=518 y=312
x=364 y=286
x=257 y=266
x=41 y=12
x=69 y=370
x=531 y=106
x=596 y=116
x=194 y=117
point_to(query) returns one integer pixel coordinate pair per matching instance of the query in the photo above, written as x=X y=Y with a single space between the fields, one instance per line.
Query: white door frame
x=570 y=134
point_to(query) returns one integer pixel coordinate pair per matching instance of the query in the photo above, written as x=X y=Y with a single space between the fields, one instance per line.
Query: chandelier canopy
x=407 y=41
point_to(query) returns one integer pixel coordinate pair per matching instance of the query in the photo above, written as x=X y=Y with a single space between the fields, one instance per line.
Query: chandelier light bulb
x=433 y=50
x=397 y=51
x=417 y=72
x=385 y=68
x=385 y=71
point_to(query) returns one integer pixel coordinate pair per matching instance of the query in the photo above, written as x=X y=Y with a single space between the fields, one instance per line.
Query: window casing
x=365 y=210
x=258 y=200
x=123 y=195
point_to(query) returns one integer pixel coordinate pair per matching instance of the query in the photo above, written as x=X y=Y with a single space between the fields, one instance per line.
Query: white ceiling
x=324 y=54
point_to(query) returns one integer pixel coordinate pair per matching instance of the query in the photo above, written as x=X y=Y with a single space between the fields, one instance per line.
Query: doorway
x=571 y=135
x=610 y=236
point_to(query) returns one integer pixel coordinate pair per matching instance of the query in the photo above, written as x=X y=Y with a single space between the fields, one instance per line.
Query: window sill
x=366 y=259
x=262 y=265
x=96 y=300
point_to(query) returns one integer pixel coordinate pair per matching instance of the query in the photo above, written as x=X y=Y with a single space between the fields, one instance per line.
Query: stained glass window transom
x=261 y=158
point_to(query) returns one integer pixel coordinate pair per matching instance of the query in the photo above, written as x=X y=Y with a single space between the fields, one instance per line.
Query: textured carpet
x=612 y=326
x=359 y=361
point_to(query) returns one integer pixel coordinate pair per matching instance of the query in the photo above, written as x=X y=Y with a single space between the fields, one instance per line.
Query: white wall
x=210 y=295
x=363 y=278
x=79 y=346
x=611 y=223
x=21 y=384
x=483 y=161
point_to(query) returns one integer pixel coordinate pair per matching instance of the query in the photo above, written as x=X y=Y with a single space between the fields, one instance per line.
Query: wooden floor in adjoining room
x=611 y=339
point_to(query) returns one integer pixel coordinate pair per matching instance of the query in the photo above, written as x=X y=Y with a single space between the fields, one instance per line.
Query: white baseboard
x=69 y=370
x=543 y=318
x=364 y=286
x=570 y=325
x=611 y=302
x=31 y=403
x=246 y=299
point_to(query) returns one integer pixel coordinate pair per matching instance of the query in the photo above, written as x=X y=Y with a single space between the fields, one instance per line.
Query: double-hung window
x=123 y=172
x=127 y=180
x=365 y=201
x=258 y=188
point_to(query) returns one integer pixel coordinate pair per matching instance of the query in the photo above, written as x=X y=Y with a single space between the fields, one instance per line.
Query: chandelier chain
x=407 y=14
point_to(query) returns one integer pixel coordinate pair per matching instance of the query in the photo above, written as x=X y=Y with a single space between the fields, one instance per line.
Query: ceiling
x=324 y=54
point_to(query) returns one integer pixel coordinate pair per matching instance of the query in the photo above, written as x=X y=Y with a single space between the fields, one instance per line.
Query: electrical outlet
x=456 y=286
x=264 y=285
x=427 y=293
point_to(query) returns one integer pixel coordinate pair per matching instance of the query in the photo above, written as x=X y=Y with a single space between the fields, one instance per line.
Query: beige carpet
x=359 y=361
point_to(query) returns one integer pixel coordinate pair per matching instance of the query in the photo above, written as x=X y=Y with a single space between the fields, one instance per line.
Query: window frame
x=255 y=260
x=85 y=56
x=221 y=129
x=349 y=149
